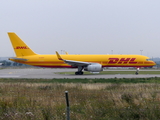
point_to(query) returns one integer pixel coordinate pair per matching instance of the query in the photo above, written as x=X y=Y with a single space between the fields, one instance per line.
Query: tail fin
x=20 y=48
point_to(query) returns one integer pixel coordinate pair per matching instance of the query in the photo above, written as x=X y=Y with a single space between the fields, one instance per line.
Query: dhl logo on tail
x=21 y=47
x=122 y=60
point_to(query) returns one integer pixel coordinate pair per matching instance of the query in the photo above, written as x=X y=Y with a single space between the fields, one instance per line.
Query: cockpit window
x=149 y=59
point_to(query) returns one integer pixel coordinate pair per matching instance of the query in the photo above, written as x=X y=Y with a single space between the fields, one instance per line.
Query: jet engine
x=94 y=68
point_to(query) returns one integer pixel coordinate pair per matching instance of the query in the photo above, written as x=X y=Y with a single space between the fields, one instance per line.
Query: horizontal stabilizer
x=19 y=59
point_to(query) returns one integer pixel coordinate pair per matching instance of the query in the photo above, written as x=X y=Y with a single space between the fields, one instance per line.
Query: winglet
x=66 y=53
x=59 y=57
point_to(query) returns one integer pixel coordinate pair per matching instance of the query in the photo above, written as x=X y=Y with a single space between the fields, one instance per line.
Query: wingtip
x=59 y=57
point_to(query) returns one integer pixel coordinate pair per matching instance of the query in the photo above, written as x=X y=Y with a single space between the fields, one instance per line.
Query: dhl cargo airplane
x=91 y=63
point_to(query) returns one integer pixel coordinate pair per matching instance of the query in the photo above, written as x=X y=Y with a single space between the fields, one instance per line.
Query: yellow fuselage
x=105 y=60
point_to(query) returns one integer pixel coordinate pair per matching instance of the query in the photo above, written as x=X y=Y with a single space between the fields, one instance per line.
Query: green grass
x=80 y=80
x=115 y=72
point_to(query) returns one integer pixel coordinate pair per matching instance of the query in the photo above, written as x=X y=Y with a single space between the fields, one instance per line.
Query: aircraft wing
x=73 y=63
x=76 y=63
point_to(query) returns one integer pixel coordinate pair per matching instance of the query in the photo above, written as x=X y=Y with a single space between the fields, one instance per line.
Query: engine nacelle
x=94 y=68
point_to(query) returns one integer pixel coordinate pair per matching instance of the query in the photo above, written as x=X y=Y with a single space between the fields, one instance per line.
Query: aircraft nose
x=153 y=63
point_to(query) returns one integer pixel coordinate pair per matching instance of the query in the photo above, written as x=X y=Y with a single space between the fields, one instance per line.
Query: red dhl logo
x=21 y=47
x=122 y=60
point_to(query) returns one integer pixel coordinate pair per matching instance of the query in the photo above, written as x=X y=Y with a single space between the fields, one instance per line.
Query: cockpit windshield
x=148 y=59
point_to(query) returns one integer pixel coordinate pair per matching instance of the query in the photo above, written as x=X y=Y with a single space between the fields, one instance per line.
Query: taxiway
x=52 y=73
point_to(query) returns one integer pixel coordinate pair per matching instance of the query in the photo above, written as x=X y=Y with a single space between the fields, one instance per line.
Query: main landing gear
x=79 y=72
x=137 y=72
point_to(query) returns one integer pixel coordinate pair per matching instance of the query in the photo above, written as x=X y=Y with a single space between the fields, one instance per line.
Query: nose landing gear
x=137 y=72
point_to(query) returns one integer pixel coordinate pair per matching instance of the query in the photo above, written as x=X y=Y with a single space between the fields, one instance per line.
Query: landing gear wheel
x=78 y=73
x=136 y=73
x=81 y=73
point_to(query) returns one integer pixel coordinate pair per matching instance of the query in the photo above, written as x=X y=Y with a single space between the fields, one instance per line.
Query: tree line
x=7 y=63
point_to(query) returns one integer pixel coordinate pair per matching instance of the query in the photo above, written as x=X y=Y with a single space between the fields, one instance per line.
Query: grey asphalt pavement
x=51 y=73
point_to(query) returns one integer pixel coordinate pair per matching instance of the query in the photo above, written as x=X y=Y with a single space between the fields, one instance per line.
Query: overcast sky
x=82 y=26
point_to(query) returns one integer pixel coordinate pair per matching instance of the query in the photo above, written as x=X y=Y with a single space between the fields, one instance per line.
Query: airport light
x=141 y=51
x=112 y=51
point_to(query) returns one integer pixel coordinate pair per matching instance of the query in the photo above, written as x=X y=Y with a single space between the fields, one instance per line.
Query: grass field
x=90 y=99
x=81 y=80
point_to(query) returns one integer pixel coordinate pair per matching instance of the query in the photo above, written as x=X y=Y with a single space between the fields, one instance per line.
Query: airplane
x=91 y=63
